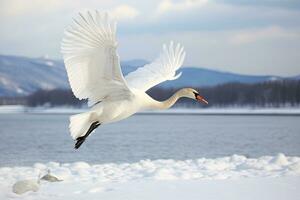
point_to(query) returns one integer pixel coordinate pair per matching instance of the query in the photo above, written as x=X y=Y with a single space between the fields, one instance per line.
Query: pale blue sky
x=247 y=36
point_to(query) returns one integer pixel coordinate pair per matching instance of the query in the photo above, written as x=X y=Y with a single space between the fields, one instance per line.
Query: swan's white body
x=93 y=67
x=111 y=111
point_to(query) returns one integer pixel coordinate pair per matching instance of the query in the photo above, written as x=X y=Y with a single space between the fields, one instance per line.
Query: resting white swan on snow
x=89 y=50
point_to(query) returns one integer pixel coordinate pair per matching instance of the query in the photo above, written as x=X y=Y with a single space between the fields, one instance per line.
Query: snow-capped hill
x=274 y=78
x=22 y=76
x=296 y=77
x=200 y=77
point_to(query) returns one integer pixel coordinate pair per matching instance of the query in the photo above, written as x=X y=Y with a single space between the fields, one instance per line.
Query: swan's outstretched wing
x=91 y=59
x=162 y=69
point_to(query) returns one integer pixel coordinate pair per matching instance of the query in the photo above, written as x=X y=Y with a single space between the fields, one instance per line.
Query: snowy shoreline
x=113 y=181
x=295 y=111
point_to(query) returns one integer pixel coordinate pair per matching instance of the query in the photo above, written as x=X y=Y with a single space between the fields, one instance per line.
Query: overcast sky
x=247 y=36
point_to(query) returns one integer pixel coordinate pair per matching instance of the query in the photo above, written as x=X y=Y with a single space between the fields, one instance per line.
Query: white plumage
x=91 y=59
x=162 y=69
x=89 y=50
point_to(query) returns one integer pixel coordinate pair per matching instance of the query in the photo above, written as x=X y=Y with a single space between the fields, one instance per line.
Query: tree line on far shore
x=265 y=94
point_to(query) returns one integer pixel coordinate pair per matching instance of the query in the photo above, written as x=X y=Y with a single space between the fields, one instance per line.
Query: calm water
x=31 y=138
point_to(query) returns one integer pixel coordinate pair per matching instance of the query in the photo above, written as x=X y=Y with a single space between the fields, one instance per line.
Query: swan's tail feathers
x=81 y=139
x=79 y=124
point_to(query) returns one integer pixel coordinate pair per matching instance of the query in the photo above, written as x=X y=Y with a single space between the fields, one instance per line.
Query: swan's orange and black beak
x=200 y=98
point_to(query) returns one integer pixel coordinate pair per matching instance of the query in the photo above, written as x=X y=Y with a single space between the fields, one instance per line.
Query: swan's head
x=192 y=94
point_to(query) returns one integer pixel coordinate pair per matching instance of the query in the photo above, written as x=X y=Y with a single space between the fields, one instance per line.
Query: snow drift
x=80 y=178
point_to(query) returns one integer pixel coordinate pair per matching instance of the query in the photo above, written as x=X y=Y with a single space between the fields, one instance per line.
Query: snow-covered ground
x=204 y=111
x=234 y=177
x=229 y=111
x=12 y=109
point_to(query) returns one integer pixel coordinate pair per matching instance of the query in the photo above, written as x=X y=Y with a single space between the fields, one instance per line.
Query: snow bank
x=229 y=111
x=81 y=178
x=202 y=111
x=12 y=109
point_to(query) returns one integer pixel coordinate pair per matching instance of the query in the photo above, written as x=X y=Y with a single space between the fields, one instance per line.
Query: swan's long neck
x=167 y=103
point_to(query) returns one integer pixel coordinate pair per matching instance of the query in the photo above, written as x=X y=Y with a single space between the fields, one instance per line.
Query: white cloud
x=124 y=12
x=20 y=7
x=267 y=33
x=234 y=37
x=211 y=49
x=169 y=5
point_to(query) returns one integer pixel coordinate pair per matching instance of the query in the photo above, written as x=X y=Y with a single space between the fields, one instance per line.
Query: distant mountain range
x=22 y=76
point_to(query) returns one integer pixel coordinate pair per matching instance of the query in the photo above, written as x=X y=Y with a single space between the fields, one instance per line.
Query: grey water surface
x=29 y=138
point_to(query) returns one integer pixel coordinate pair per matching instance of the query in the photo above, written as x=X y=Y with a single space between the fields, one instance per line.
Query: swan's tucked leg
x=81 y=139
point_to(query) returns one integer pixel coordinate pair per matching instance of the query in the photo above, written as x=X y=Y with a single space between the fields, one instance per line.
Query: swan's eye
x=196 y=94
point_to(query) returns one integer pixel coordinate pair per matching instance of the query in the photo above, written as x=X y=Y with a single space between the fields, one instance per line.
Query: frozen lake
x=31 y=138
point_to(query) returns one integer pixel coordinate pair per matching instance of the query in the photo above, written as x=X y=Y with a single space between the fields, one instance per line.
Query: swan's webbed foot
x=81 y=139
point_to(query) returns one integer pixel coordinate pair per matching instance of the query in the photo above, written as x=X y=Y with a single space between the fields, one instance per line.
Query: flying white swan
x=90 y=55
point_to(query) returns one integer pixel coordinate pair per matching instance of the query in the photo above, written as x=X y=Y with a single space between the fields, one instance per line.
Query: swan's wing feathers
x=91 y=59
x=162 y=69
